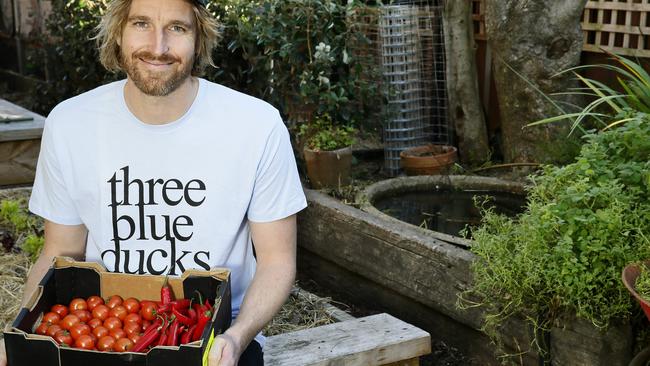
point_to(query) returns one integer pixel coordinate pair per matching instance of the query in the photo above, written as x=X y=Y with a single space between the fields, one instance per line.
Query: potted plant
x=428 y=159
x=327 y=151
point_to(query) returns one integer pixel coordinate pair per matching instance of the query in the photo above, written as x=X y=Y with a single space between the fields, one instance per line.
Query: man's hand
x=225 y=351
x=3 y=353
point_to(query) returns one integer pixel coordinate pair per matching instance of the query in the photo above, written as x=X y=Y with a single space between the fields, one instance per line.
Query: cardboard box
x=68 y=279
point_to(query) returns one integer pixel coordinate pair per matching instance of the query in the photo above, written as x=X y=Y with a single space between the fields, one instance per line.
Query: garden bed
x=383 y=265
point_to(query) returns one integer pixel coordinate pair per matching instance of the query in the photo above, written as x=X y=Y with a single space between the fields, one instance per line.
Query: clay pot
x=328 y=169
x=630 y=274
x=428 y=159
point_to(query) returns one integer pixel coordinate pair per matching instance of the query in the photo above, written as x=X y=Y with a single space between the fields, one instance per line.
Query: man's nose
x=159 y=42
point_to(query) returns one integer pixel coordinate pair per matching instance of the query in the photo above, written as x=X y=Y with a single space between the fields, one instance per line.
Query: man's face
x=157 y=45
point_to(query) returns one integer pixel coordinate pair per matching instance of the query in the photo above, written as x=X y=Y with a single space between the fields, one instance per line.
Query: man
x=164 y=171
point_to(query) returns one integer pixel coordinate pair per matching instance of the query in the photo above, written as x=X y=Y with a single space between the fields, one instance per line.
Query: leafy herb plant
x=321 y=134
x=24 y=228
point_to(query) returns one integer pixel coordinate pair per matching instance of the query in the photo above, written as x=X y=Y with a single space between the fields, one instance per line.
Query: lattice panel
x=618 y=26
x=621 y=27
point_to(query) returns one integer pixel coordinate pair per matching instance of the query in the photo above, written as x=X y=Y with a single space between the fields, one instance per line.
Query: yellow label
x=206 y=354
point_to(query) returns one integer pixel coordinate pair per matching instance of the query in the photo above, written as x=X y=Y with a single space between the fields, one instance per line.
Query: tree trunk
x=465 y=110
x=536 y=39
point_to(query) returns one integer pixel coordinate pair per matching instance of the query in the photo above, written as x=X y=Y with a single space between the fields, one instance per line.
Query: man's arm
x=275 y=246
x=60 y=240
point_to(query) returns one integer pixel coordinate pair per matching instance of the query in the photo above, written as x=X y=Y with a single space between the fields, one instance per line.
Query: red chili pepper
x=166 y=308
x=172 y=334
x=204 y=318
x=207 y=304
x=181 y=304
x=187 y=336
x=148 y=338
x=166 y=292
x=185 y=320
x=192 y=315
x=163 y=333
x=154 y=325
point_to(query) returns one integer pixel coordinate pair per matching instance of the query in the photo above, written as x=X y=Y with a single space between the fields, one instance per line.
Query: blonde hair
x=109 y=32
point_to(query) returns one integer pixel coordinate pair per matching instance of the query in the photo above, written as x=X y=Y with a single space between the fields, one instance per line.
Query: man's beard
x=156 y=84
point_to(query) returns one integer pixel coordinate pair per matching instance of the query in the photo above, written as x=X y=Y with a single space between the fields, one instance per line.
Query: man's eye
x=178 y=29
x=140 y=24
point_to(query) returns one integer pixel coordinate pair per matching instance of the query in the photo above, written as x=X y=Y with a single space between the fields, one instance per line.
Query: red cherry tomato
x=62 y=310
x=42 y=329
x=51 y=318
x=94 y=323
x=85 y=342
x=119 y=312
x=80 y=329
x=63 y=338
x=83 y=315
x=133 y=318
x=131 y=328
x=52 y=329
x=118 y=333
x=69 y=321
x=100 y=331
x=101 y=312
x=93 y=301
x=135 y=337
x=114 y=301
x=113 y=323
x=78 y=304
x=105 y=343
x=123 y=345
x=148 y=310
x=132 y=305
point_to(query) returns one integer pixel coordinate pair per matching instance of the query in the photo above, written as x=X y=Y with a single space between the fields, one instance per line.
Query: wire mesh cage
x=413 y=66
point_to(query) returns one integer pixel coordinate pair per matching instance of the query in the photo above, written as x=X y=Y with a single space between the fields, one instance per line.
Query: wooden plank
x=629 y=6
x=617 y=50
x=374 y=340
x=331 y=310
x=22 y=130
x=616 y=28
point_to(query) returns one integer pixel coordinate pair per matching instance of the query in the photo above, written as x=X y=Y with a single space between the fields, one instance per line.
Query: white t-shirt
x=160 y=199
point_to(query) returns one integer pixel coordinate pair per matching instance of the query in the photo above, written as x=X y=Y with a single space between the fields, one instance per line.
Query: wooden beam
x=374 y=340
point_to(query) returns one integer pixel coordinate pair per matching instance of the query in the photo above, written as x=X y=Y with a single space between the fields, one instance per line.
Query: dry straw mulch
x=13 y=270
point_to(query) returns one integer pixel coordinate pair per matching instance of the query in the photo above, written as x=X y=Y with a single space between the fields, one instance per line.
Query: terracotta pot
x=428 y=159
x=630 y=274
x=328 y=169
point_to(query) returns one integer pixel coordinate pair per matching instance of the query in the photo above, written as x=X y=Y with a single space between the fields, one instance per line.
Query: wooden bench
x=373 y=340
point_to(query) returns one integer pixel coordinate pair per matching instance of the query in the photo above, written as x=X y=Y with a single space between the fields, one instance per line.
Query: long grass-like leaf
x=598 y=91
x=548 y=99
x=561 y=117
x=635 y=68
x=616 y=123
x=593 y=105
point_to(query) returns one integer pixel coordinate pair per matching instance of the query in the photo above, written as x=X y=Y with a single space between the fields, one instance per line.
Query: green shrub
x=24 y=227
x=584 y=222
